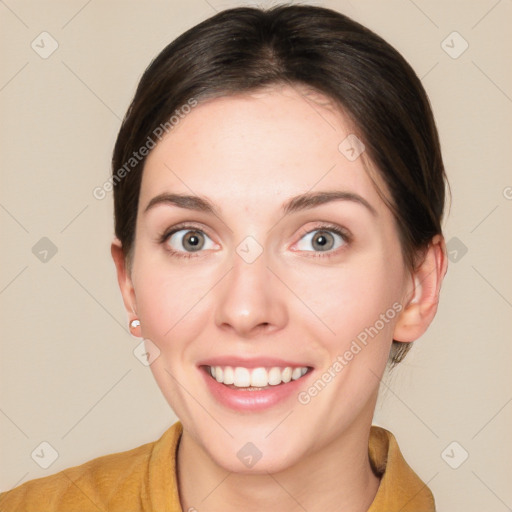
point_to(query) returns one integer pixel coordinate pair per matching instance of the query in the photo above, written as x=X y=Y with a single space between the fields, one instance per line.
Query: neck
x=336 y=478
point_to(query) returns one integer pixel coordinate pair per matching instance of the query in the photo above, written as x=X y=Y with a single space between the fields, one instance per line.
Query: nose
x=250 y=299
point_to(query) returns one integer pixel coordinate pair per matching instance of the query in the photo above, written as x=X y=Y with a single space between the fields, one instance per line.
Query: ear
x=420 y=305
x=125 y=284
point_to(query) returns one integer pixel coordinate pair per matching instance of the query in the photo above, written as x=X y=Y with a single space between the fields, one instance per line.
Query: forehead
x=257 y=146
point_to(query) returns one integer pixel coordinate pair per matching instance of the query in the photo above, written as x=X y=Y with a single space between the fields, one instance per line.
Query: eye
x=188 y=240
x=323 y=240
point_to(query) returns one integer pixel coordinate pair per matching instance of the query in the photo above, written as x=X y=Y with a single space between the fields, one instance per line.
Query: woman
x=278 y=189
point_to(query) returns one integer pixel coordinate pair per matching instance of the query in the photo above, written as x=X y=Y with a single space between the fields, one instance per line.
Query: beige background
x=68 y=373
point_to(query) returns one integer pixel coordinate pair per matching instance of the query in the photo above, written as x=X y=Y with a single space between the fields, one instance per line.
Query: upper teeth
x=255 y=377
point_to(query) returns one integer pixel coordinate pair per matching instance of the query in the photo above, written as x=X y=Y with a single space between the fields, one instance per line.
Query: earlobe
x=125 y=283
x=420 y=304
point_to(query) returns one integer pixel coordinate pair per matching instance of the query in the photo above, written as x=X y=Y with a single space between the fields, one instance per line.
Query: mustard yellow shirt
x=144 y=480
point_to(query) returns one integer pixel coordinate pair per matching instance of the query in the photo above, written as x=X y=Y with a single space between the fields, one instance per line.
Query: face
x=260 y=280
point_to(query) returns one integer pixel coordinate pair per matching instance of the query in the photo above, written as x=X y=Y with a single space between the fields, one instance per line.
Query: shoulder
x=89 y=486
x=113 y=482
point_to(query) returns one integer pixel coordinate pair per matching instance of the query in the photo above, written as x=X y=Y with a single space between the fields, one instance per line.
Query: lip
x=255 y=362
x=253 y=401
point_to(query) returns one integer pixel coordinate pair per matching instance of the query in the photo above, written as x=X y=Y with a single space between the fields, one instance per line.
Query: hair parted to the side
x=243 y=49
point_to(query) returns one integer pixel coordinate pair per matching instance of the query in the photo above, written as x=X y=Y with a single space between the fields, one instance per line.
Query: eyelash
x=331 y=228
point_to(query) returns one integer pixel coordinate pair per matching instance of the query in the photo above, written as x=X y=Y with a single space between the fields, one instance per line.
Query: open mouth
x=255 y=379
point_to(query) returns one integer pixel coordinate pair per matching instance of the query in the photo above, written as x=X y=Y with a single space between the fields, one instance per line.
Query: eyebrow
x=294 y=204
x=312 y=199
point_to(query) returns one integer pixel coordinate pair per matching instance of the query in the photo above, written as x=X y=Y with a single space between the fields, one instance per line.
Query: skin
x=248 y=154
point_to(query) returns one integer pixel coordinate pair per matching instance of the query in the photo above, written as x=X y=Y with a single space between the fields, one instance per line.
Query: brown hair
x=242 y=49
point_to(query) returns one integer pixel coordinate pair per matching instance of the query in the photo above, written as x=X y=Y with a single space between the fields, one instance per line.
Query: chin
x=249 y=460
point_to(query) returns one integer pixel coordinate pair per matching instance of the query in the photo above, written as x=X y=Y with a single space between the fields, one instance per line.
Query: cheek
x=350 y=299
x=169 y=300
x=173 y=313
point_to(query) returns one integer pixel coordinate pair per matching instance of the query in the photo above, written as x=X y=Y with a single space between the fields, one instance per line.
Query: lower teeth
x=251 y=388
x=248 y=389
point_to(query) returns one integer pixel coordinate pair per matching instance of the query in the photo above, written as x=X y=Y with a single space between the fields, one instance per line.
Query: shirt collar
x=400 y=488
